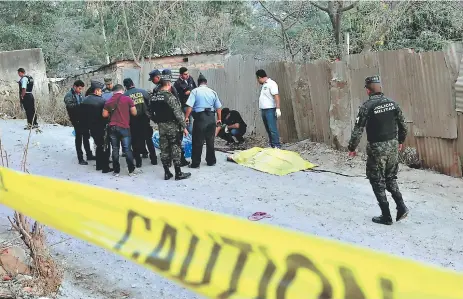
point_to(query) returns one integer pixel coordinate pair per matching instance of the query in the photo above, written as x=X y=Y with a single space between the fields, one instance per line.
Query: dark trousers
x=82 y=137
x=137 y=130
x=118 y=135
x=203 y=129
x=149 y=141
x=28 y=103
x=102 y=153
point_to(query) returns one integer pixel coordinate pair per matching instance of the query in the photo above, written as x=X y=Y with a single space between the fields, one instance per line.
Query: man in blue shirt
x=26 y=84
x=203 y=103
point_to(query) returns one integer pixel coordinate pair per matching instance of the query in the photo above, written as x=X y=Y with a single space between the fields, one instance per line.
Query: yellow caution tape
x=220 y=256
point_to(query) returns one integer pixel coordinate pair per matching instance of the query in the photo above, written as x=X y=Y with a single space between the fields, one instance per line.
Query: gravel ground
x=323 y=204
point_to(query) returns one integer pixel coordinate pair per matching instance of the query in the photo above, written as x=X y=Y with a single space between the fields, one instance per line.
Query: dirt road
x=323 y=204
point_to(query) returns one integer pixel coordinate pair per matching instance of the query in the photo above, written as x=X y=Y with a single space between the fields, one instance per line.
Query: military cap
x=166 y=74
x=372 y=79
x=108 y=80
x=96 y=85
x=154 y=73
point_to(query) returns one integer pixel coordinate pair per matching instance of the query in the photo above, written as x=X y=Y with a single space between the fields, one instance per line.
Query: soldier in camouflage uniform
x=386 y=132
x=167 y=113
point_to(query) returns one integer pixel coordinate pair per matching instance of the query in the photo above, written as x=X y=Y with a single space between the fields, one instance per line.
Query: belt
x=206 y=110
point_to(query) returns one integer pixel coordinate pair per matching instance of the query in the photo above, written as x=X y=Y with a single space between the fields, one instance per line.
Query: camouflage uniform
x=385 y=132
x=168 y=133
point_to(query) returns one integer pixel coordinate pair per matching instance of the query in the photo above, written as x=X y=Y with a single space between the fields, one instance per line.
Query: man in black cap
x=93 y=120
x=167 y=112
x=140 y=127
x=386 y=133
x=184 y=85
x=203 y=103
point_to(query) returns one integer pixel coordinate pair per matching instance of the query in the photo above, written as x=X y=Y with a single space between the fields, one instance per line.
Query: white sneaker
x=116 y=175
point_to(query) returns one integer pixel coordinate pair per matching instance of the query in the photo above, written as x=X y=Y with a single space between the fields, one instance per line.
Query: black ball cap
x=372 y=79
x=96 y=85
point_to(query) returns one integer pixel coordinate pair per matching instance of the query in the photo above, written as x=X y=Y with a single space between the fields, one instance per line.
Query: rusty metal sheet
x=453 y=54
x=287 y=126
x=319 y=85
x=459 y=89
x=430 y=86
x=302 y=104
x=460 y=136
x=311 y=101
x=394 y=78
x=440 y=155
x=410 y=141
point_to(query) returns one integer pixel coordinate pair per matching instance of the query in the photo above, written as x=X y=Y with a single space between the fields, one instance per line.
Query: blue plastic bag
x=186 y=143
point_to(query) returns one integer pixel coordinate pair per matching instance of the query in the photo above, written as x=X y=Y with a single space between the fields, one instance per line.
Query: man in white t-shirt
x=269 y=104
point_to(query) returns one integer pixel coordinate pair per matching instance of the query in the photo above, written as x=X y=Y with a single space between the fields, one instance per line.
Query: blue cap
x=154 y=73
x=167 y=72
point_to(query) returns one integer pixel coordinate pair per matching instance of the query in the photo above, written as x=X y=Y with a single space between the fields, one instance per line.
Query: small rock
x=6 y=278
x=28 y=289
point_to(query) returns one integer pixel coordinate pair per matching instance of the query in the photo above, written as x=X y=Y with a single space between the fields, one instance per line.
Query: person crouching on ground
x=232 y=126
x=118 y=109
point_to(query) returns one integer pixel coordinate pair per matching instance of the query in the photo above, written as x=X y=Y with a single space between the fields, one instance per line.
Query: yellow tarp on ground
x=273 y=161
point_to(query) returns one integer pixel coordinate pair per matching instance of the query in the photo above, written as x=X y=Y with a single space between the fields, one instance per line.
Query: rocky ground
x=336 y=206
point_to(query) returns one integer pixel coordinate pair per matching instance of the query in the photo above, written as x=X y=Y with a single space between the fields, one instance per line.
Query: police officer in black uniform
x=386 y=133
x=92 y=119
x=140 y=127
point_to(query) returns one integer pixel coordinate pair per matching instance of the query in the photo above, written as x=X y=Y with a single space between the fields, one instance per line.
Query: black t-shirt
x=233 y=118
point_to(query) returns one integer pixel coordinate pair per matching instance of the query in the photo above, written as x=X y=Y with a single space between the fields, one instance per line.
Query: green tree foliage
x=77 y=34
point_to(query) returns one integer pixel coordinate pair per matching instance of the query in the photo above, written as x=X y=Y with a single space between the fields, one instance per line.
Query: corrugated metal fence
x=320 y=100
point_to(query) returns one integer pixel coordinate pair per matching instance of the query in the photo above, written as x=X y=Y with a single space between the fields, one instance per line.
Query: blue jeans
x=189 y=126
x=120 y=135
x=270 y=122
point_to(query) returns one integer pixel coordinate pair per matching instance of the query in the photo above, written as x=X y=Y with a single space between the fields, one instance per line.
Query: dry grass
x=48 y=275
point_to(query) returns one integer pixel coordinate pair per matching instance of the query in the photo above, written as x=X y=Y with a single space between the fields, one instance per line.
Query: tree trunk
x=103 y=32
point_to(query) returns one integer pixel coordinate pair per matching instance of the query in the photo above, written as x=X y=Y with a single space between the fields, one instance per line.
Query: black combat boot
x=179 y=175
x=402 y=210
x=183 y=161
x=167 y=174
x=91 y=157
x=385 y=217
x=82 y=162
